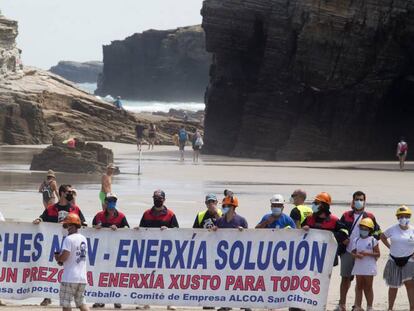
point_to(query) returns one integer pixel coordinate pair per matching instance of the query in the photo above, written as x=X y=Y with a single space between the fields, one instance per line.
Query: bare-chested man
x=106 y=184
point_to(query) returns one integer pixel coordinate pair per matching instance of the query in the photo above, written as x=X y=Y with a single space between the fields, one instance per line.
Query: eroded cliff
x=302 y=80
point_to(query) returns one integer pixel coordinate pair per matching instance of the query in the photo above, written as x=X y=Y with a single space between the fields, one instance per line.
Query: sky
x=54 y=30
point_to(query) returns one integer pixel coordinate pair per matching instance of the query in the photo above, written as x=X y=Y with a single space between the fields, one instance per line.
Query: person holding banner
x=109 y=218
x=230 y=219
x=73 y=258
x=322 y=218
x=276 y=219
x=208 y=218
x=399 y=269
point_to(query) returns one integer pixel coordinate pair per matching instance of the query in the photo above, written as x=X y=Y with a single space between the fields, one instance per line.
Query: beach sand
x=185 y=184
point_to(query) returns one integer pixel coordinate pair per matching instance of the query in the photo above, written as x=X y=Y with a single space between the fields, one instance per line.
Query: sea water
x=149 y=106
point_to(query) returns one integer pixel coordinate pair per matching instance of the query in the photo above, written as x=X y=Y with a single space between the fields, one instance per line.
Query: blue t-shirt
x=282 y=222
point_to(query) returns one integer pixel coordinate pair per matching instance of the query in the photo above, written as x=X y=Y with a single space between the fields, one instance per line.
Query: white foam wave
x=138 y=106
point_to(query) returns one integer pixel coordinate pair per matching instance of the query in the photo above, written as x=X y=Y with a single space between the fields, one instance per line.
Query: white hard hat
x=277 y=198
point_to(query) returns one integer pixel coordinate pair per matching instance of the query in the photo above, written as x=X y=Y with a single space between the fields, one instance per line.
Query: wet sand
x=186 y=184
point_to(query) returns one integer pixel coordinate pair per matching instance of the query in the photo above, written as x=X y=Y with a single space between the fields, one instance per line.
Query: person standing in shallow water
x=49 y=190
x=152 y=135
x=402 y=149
x=106 y=184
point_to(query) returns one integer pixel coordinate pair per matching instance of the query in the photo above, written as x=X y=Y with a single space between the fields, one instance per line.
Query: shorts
x=102 y=196
x=181 y=145
x=72 y=291
x=395 y=276
x=196 y=148
x=347 y=264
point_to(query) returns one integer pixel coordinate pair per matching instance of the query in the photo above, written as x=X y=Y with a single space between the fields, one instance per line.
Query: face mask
x=69 y=197
x=363 y=233
x=224 y=210
x=111 y=204
x=276 y=211
x=291 y=200
x=359 y=204
x=404 y=221
x=315 y=207
x=158 y=202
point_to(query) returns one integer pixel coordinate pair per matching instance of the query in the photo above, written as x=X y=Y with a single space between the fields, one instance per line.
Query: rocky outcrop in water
x=303 y=80
x=84 y=158
x=169 y=65
x=86 y=72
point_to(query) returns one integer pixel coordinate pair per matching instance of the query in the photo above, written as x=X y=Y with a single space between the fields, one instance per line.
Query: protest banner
x=187 y=267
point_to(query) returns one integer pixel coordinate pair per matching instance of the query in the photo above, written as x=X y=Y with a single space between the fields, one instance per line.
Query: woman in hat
x=49 y=190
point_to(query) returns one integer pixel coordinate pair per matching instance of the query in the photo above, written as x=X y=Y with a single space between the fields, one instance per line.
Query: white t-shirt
x=402 y=241
x=2 y=217
x=366 y=265
x=400 y=146
x=355 y=231
x=74 y=268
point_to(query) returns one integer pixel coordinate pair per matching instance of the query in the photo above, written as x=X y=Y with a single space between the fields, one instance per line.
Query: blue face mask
x=359 y=205
x=276 y=211
x=315 y=207
x=363 y=233
x=224 y=210
x=111 y=204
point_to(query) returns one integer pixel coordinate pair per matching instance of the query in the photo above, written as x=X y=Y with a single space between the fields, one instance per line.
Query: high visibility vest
x=203 y=213
x=305 y=211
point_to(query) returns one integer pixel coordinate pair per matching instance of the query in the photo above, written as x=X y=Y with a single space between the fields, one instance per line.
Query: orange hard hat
x=72 y=219
x=324 y=197
x=230 y=200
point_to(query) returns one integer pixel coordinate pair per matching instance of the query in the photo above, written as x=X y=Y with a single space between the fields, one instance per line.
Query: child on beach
x=366 y=252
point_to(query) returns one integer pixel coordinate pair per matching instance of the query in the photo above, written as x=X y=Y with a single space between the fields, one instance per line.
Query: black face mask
x=69 y=197
x=158 y=202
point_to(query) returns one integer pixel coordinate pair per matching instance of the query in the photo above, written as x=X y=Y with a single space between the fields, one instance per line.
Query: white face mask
x=276 y=211
x=315 y=207
x=359 y=205
x=404 y=221
x=291 y=200
x=225 y=210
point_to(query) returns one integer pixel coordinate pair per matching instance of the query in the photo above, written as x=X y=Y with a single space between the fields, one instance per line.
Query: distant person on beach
x=57 y=213
x=399 y=268
x=301 y=211
x=276 y=219
x=152 y=136
x=49 y=190
x=106 y=184
x=73 y=258
x=207 y=219
x=182 y=140
x=365 y=250
x=402 y=149
x=109 y=218
x=139 y=134
x=197 y=143
x=118 y=103
x=158 y=216
x=351 y=219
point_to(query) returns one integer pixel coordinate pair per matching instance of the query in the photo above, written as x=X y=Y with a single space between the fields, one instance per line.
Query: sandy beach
x=186 y=184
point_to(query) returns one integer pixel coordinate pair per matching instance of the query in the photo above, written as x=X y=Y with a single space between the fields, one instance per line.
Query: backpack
x=199 y=142
x=46 y=192
x=182 y=135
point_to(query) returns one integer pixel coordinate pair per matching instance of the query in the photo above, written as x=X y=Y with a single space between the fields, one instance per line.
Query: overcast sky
x=53 y=30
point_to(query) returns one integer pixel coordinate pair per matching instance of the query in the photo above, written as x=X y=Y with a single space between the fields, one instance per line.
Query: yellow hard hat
x=403 y=210
x=367 y=222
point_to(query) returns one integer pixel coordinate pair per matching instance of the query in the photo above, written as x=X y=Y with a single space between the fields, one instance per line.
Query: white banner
x=183 y=267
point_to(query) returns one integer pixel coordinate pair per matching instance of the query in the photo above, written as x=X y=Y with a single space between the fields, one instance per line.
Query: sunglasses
x=211 y=201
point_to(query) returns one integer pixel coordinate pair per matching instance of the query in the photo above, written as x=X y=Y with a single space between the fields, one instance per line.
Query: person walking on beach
x=197 y=143
x=159 y=216
x=365 y=250
x=152 y=136
x=109 y=218
x=207 y=219
x=139 y=134
x=73 y=257
x=402 y=149
x=182 y=140
x=351 y=220
x=49 y=190
x=301 y=211
x=106 y=184
x=399 y=268
x=276 y=219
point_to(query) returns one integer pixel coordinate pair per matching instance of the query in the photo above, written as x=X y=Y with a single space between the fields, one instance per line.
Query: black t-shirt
x=207 y=222
x=139 y=131
x=295 y=214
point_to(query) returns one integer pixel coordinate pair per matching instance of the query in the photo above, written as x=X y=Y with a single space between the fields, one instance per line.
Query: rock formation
x=170 y=65
x=85 y=158
x=9 y=53
x=306 y=80
x=86 y=72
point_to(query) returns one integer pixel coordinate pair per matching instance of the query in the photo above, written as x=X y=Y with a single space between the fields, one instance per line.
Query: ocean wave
x=141 y=106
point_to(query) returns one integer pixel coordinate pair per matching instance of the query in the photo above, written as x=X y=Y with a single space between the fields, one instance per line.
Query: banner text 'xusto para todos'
x=187 y=267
